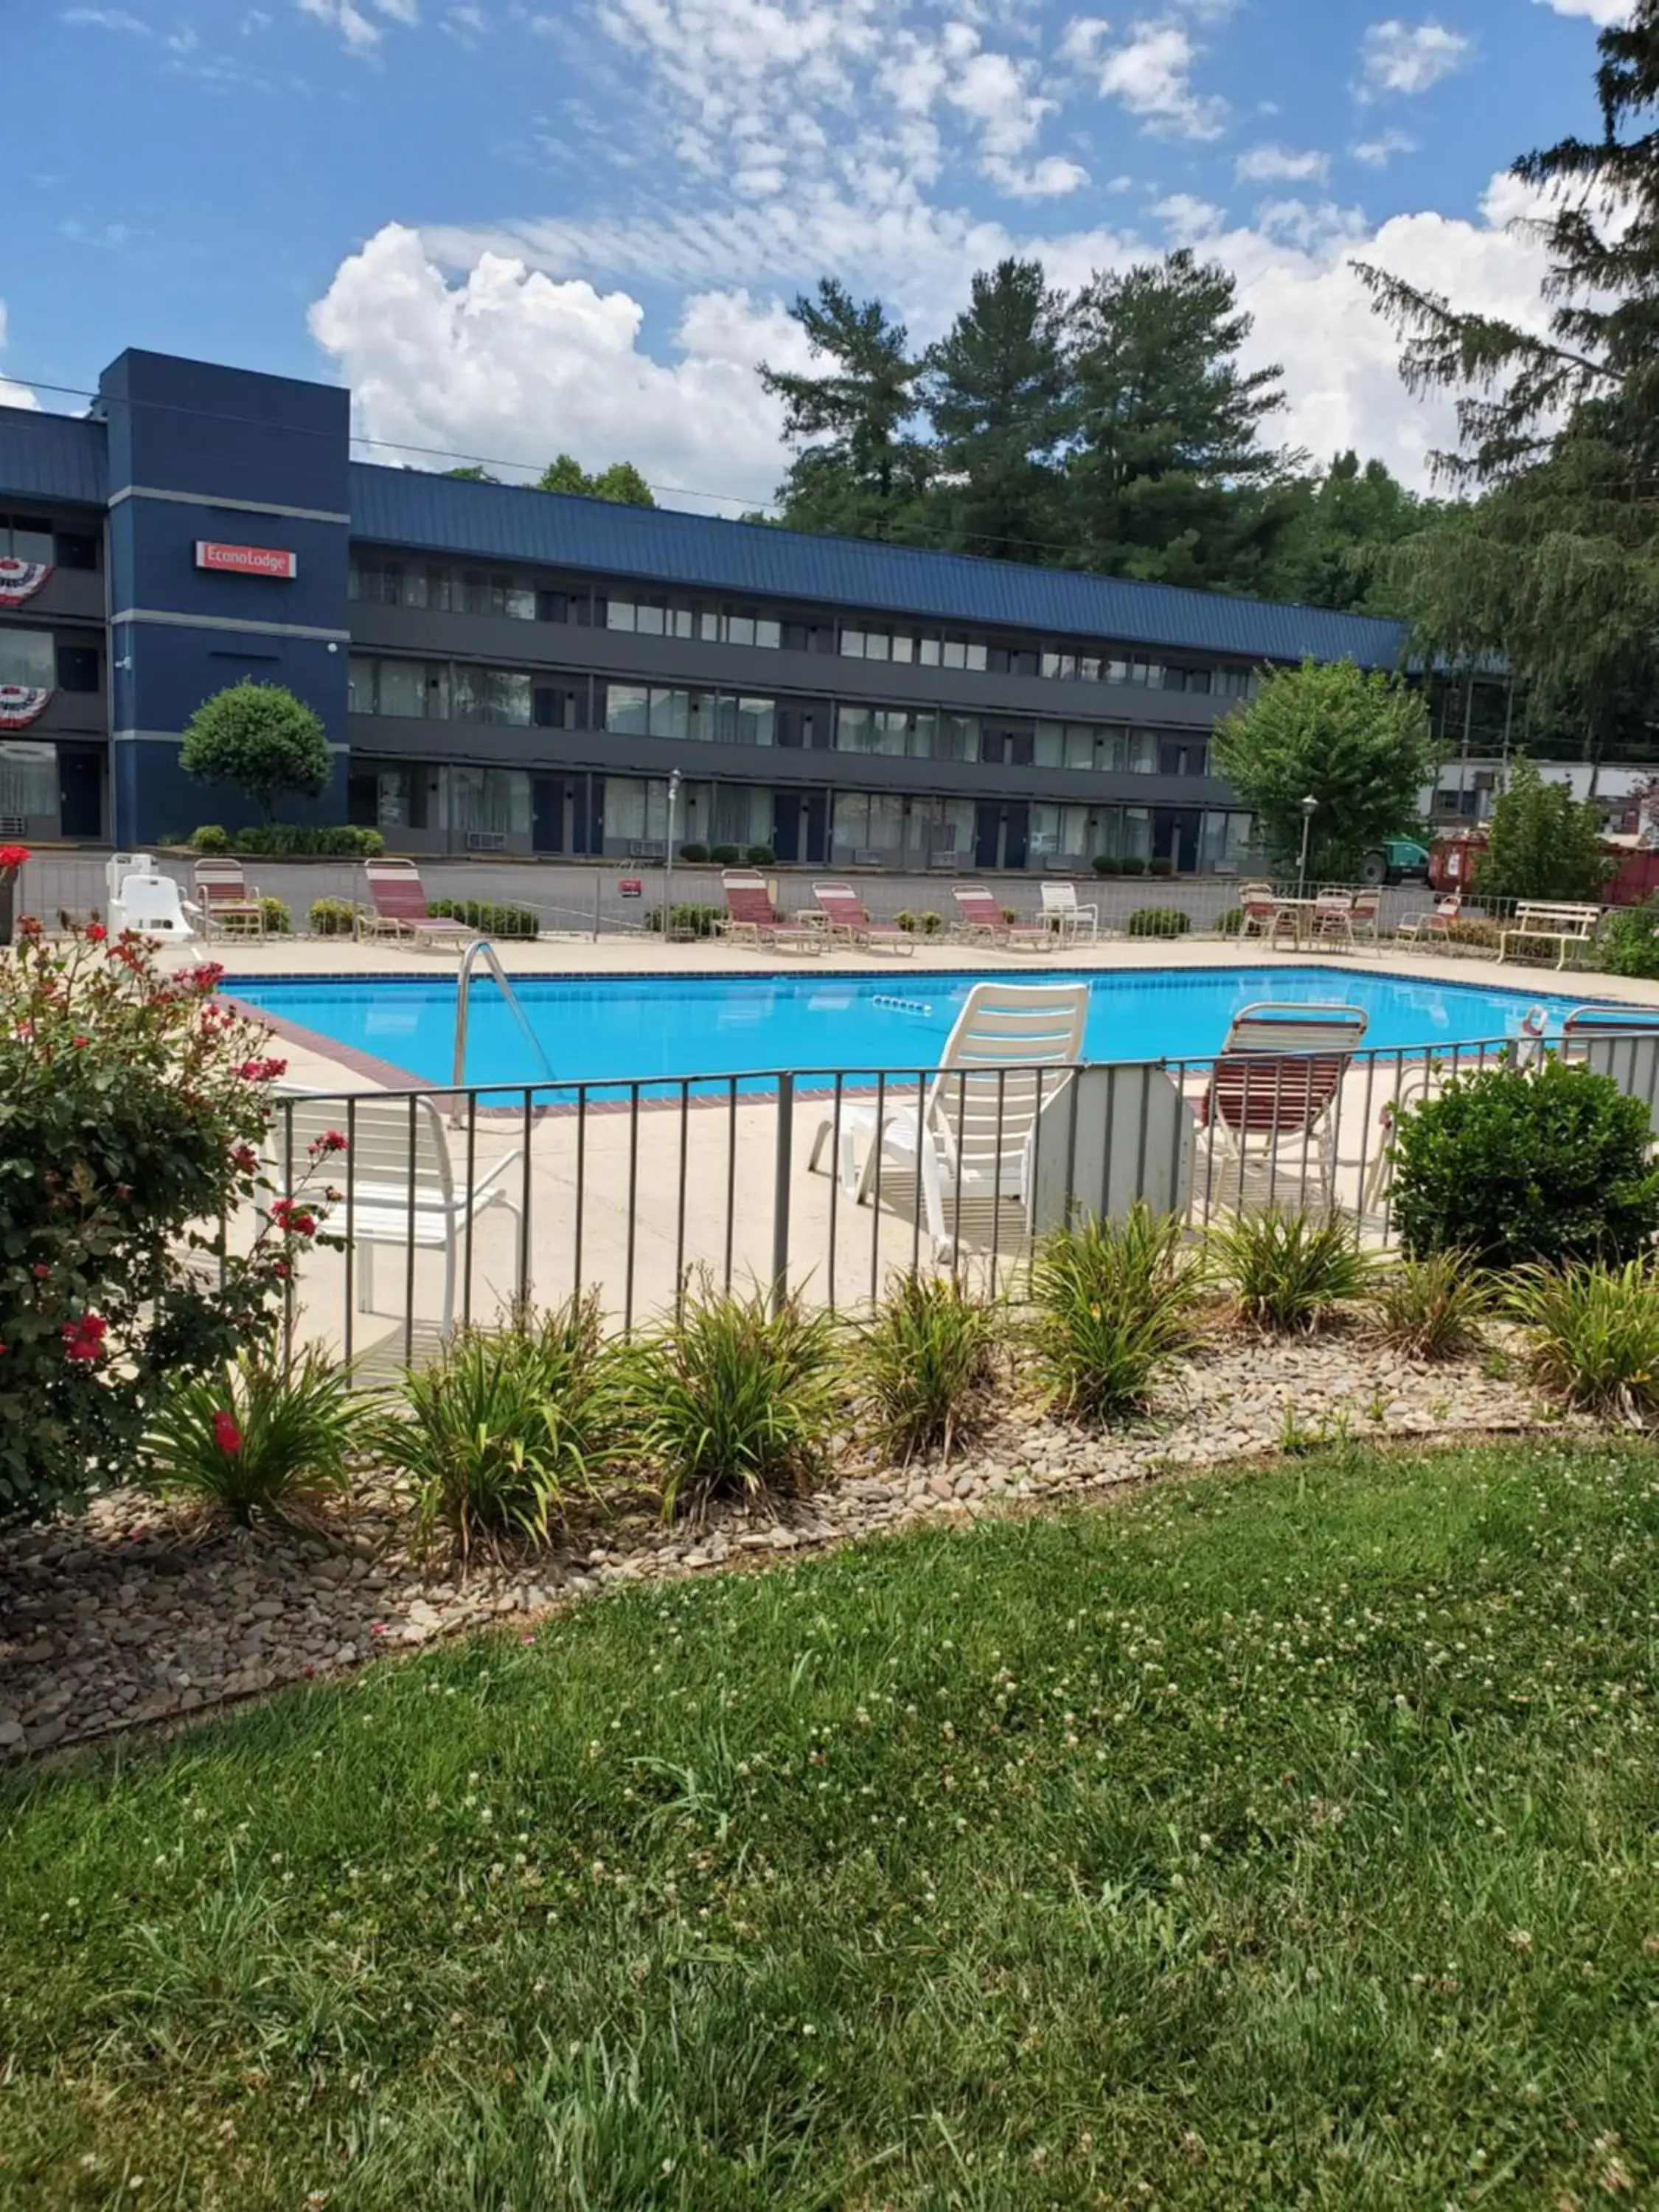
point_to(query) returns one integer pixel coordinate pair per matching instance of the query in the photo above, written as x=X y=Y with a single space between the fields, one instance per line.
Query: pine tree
x=996 y=388
x=859 y=469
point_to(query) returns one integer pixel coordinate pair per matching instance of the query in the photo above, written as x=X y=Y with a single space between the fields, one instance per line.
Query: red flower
x=96 y=933
x=83 y=1339
x=226 y=1434
x=41 y=1271
x=13 y=856
x=292 y=1218
x=245 y=1157
x=329 y=1141
x=79 y=1041
x=262 y=1071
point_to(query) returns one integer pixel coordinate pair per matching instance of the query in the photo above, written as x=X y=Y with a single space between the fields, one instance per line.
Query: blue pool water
x=642 y=1029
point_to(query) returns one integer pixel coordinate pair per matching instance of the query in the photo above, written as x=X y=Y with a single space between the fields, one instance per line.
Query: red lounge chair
x=751 y=916
x=981 y=917
x=400 y=911
x=846 y=917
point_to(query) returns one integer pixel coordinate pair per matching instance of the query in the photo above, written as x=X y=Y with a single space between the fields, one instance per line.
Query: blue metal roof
x=410 y=507
x=51 y=457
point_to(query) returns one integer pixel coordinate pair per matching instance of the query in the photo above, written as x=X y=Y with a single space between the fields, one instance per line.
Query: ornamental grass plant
x=925 y=1364
x=257 y=1439
x=1117 y=1305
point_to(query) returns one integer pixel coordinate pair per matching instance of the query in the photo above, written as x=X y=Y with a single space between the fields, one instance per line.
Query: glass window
x=490 y=800
x=1079 y=745
x=1050 y=744
x=953 y=654
x=755 y=721
x=977 y=658
x=434 y=589
x=927 y=651
x=905 y=647
x=768 y=633
x=1137 y=834
x=519 y=602
x=741 y=629
x=78 y=668
x=648 y=620
x=670 y=714
x=958 y=737
x=852 y=644
x=28 y=538
x=1142 y=755
x=740 y=815
x=619 y=614
x=1089 y=667
x=877 y=645
x=76 y=549
x=391 y=799
x=360 y=686
x=854 y=728
x=28 y=779
x=475 y=593
x=507 y=695
x=470 y=693
x=1117 y=672
x=627 y=709
x=401 y=689
x=27 y=657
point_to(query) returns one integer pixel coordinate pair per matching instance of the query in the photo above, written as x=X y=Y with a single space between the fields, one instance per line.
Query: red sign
x=245 y=560
x=631 y=886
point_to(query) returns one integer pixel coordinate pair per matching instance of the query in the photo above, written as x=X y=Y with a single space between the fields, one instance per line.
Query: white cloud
x=1263 y=164
x=512 y=365
x=1151 y=75
x=1377 y=153
x=1186 y=217
x=1396 y=58
x=1600 y=12
x=1048 y=179
x=12 y=395
x=105 y=19
x=361 y=31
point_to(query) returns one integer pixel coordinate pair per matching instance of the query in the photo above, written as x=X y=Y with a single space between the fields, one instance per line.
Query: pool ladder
x=482 y=949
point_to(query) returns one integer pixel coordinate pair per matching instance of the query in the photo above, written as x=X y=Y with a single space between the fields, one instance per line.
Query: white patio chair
x=391 y=1136
x=1061 y=911
x=151 y=906
x=978 y=1121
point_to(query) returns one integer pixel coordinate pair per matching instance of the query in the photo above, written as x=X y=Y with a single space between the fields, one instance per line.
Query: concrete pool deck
x=702 y=1177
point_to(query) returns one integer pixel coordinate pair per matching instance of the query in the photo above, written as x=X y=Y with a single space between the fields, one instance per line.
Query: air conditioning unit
x=14 y=825
x=486 y=841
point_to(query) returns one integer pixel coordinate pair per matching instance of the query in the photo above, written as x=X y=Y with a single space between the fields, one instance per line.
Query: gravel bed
x=127 y=1614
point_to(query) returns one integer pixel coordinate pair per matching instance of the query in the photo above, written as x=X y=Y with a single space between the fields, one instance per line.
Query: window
x=76 y=549
x=647 y=618
x=867 y=824
x=78 y=668
x=1225 y=838
x=415 y=690
x=955 y=736
x=1057 y=830
x=636 y=809
x=27 y=657
x=28 y=780
x=1233 y=683
x=871 y=730
x=28 y=538
x=938 y=829
x=627 y=709
x=489 y=801
x=669 y=714
x=1137 y=834
x=740 y=815
x=400 y=689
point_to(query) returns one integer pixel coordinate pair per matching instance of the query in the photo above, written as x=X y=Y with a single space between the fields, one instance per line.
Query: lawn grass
x=1287 y=1839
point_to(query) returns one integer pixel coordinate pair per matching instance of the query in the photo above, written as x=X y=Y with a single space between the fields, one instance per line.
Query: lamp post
x=1309 y=808
x=668 y=853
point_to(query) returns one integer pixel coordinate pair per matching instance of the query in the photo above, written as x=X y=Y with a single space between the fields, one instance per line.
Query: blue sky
x=514 y=226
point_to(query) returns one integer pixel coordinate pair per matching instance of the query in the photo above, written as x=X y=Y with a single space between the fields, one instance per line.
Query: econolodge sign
x=245 y=560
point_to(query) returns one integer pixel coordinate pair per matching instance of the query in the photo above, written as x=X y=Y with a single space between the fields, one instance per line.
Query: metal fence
x=457 y=1205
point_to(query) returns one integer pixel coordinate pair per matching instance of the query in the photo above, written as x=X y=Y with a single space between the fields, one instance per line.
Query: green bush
x=926 y=1363
x=503 y=1433
x=129 y=1128
x=1160 y=867
x=1428 y=1308
x=1159 y=921
x=693 y=852
x=1108 y=864
x=492 y=917
x=1229 y=922
x=732 y=1398
x=1522 y=1164
x=687 y=920
x=1290 y=1271
x=1133 y=865
x=1545 y=843
x=209 y=838
x=252 y=1438
x=932 y=923
x=279 y=922
x=333 y=917
x=1627 y=943
x=723 y=856
x=1471 y=931
x=1116 y=1304
x=1593 y=1334
x=909 y=922
x=760 y=856
x=297 y=840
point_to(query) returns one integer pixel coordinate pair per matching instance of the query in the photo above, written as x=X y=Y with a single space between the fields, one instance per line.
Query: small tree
x=1359 y=744
x=1545 y=844
x=263 y=740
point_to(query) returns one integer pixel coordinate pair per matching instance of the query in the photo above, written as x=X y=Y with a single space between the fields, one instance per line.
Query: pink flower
x=96 y=933
x=262 y=1071
x=292 y=1219
x=226 y=1434
x=329 y=1141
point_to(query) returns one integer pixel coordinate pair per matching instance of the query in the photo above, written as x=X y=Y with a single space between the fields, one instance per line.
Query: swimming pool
x=644 y=1027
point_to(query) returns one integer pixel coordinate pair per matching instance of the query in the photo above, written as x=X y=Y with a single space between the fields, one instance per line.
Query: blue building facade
x=501 y=669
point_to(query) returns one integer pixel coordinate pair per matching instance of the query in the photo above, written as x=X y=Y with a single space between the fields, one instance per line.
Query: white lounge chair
x=1296 y=1026
x=151 y=906
x=385 y=1206
x=974 y=1134
x=1063 y=915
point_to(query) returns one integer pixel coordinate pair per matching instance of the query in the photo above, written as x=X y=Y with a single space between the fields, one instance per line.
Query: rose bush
x=133 y=1103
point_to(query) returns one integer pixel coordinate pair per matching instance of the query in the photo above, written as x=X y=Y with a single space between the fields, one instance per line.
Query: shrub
x=723 y=856
x=760 y=856
x=1107 y=864
x=503 y=1432
x=693 y=852
x=279 y=922
x=494 y=918
x=1545 y=844
x=909 y=922
x=1160 y=867
x=1477 y=935
x=732 y=1399
x=926 y=1362
x=262 y=740
x=332 y=917
x=1132 y=866
x=252 y=1438
x=1627 y=943
x=209 y=838
x=1116 y=1304
x=1229 y=922
x=132 y=1103
x=1290 y=1271
x=1428 y=1308
x=687 y=920
x=932 y=923
x=1593 y=1334
x=1009 y=913
x=1520 y=1164
x=299 y=841
x=1158 y=921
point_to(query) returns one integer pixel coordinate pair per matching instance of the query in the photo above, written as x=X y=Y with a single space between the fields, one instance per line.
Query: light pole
x=1309 y=808
x=668 y=854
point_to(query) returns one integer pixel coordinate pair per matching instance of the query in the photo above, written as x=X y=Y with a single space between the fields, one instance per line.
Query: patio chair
x=1332 y=919
x=1433 y=926
x=152 y=906
x=1365 y=917
x=398 y=909
x=751 y=916
x=1277 y=1079
x=1066 y=917
x=1263 y=914
x=846 y=916
x=981 y=918
x=227 y=901
x=1283 y=1025
x=1583 y=1025
x=398 y=1178
x=974 y=1134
